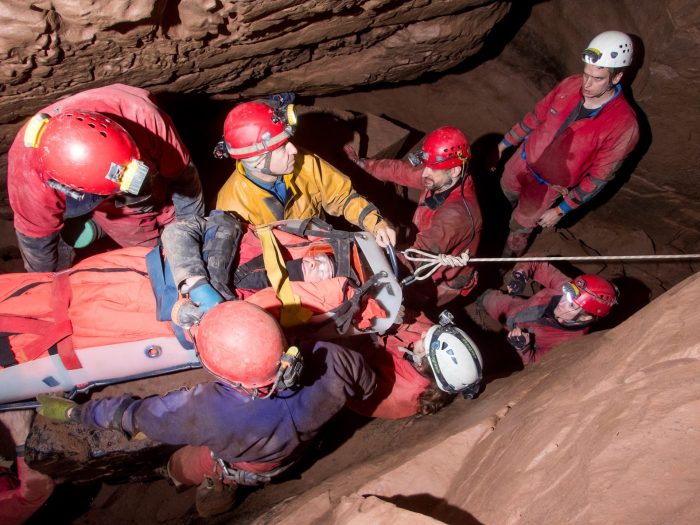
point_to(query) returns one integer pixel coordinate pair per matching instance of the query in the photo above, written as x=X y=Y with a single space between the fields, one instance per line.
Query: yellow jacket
x=312 y=186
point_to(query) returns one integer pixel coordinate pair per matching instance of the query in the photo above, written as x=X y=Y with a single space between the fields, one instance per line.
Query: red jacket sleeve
x=543 y=273
x=531 y=120
x=396 y=171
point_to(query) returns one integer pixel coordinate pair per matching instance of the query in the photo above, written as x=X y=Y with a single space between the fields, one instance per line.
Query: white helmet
x=454 y=359
x=609 y=49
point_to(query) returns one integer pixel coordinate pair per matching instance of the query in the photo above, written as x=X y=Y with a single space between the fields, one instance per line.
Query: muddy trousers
x=190 y=465
x=529 y=198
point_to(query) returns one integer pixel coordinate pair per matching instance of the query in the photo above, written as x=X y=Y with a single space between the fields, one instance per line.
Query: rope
x=432 y=262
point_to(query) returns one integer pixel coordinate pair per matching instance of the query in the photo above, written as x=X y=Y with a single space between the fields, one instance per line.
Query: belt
x=534 y=173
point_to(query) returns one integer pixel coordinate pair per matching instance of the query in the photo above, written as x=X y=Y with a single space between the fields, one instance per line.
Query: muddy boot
x=214 y=497
x=516 y=244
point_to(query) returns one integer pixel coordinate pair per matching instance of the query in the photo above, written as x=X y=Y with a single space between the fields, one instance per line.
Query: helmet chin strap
x=265 y=170
x=609 y=88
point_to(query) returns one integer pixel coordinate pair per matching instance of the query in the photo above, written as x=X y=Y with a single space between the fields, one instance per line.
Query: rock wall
x=51 y=48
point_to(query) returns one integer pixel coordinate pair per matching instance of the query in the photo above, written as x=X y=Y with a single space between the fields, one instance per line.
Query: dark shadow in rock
x=634 y=295
x=66 y=504
x=200 y=122
x=433 y=507
x=495 y=208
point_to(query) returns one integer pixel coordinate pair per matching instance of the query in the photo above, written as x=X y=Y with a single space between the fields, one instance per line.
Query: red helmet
x=241 y=343
x=446 y=148
x=253 y=128
x=86 y=151
x=592 y=293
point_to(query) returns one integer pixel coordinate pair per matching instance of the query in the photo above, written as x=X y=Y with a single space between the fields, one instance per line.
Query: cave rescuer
x=22 y=490
x=563 y=309
x=572 y=144
x=275 y=181
x=248 y=425
x=216 y=258
x=421 y=367
x=448 y=218
x=103 y=161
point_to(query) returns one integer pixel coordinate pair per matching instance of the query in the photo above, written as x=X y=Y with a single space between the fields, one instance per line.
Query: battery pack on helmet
x=35 y=127
x=131 y=178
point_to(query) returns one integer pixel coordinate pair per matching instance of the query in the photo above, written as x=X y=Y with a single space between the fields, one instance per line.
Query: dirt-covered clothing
x=236 y=427
x=562 y=154
x=21 y=495
x=533 y=314
x=174 y=186
x=448 y=222
x=399 y=384
x=312 y=188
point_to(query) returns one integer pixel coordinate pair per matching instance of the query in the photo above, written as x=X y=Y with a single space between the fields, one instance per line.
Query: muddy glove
x=205 y=296
x=56 y=408
x=186 y=314
x=516 y=282
x=519 y=339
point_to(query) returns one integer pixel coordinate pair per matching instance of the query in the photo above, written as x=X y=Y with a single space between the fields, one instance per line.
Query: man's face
x=596 y=81
x=438 y=180
x=569 y=313
x=282 y=159
x=317 y=268
x=419 y=349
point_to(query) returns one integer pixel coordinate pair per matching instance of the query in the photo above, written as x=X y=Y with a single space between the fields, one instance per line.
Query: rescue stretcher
x=68 y=331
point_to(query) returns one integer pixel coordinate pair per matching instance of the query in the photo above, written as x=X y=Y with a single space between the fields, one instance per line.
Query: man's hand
x=17 y=423
x=351 y=154
x=519 y=339
x=551 y=217
x=54 y=407
x=501 y=148
x=385 y=235
x=515 y=284
x=205 y=296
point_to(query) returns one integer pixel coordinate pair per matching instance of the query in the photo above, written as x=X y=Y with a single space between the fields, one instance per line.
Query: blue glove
x=205 y=296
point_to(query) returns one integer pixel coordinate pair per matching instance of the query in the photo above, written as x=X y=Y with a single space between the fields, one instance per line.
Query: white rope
x=432 y=262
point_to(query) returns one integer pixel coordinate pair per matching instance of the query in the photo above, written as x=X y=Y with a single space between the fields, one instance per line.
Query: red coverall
x=572 y=158
x=533 y=314
x=448 y=228
x=21 y=496
x=398 y=383
x=39 y=211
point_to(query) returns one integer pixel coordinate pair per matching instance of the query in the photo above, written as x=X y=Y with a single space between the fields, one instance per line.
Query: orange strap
x=57 y=333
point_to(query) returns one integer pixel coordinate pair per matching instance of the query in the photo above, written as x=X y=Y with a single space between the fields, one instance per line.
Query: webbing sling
x=56 y=333
x=292 y=312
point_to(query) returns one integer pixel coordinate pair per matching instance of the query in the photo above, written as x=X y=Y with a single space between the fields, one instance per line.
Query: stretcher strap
x=62 y=297
x=51 y=333
x=292 y=312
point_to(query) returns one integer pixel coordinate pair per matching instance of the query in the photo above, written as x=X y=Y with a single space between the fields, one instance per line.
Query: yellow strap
x=292 y=312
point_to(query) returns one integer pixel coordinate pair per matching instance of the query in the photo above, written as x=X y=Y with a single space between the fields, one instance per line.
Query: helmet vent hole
x=92 y=125
x=103 y=133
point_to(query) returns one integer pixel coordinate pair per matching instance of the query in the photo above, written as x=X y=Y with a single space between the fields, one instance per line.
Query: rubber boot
x=214 y=497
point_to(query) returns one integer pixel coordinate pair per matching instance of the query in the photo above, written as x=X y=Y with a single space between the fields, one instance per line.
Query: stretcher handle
x=391 y=253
